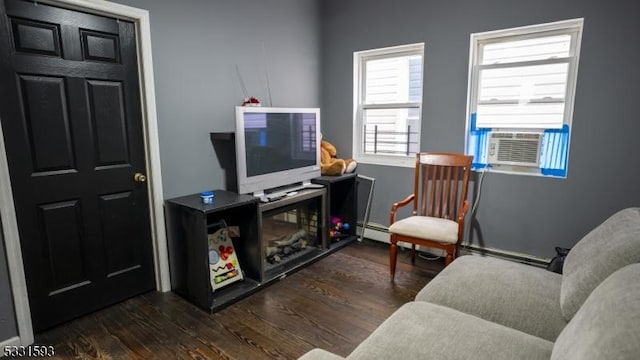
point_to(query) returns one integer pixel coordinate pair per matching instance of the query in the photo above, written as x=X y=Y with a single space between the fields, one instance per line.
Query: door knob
x=139 y=177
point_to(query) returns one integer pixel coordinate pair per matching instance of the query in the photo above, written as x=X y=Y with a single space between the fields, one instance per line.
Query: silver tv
x=276 y=147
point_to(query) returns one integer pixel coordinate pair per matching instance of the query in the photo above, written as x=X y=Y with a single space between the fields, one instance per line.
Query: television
x=276 y=147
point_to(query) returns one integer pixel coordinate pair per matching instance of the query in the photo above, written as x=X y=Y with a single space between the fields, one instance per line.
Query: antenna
x=244 y=88
x=266 y=73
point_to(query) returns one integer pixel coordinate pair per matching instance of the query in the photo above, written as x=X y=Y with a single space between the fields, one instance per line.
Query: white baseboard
x=504 y=254
x=380 y=233
x=374 y=233
x=14 y=341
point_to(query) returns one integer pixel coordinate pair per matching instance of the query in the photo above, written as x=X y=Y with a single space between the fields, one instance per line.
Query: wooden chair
x=440 y=204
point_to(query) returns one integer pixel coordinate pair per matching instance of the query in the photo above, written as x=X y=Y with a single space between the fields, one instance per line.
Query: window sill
x=396 y=161
x=517 y=170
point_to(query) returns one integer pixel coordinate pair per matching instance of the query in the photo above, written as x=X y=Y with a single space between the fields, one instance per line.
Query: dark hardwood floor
x=333 y=304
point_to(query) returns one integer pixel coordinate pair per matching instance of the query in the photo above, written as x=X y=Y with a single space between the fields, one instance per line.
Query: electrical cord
x=430 y=258
x=476 y=201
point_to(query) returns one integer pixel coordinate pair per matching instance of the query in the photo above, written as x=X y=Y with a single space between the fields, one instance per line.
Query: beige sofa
x=487 y=308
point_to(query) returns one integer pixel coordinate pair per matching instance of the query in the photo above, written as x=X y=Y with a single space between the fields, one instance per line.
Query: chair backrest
x=440 y=184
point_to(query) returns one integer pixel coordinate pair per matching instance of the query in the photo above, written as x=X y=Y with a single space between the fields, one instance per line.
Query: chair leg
x=451 y=255
x=449 y=258
x=413 y=253
x=393 y=257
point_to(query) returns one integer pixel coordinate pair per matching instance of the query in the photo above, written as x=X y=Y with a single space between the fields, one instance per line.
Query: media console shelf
x=342 y=203
x=187 y=220
x=293 y=232
x=272 y=240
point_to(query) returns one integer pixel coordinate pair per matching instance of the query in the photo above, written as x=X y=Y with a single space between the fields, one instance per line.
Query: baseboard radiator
x=379 y=232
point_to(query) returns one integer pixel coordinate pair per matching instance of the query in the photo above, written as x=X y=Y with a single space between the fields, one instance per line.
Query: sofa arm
x=319 y=354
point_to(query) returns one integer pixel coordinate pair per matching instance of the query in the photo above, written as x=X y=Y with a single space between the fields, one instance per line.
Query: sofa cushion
x=607 y=248
x=319 y=354
x=512 y=294
x=420 y=330
x=607 y=326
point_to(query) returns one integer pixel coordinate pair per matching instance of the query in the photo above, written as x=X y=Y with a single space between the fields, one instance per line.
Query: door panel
x=108 y=121
x=71 y=117
x=44 y=105
x=36 y=37
x=61 y=229
x=100 y=46
x=117 y=229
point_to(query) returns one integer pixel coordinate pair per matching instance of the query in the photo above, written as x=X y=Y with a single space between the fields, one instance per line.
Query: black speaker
x=224 y=145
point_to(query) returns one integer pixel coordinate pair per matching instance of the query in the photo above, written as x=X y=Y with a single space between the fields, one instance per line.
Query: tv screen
x=276 y=147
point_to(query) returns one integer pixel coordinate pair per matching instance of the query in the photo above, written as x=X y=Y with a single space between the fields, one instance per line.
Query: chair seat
x=426 y=227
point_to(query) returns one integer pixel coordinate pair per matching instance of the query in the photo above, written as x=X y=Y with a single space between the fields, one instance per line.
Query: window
x=387 y=105
x=520 y=103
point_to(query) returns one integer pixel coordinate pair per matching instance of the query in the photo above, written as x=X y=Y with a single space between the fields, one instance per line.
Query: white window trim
x=358 y=59
x=523 y=32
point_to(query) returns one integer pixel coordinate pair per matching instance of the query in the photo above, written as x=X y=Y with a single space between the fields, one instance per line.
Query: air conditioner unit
x=515 y=148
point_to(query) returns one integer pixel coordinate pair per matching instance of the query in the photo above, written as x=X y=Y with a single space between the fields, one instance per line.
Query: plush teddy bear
x=332 y=166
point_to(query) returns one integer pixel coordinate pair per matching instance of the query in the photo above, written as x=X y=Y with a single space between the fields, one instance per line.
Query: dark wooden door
x=71 y=118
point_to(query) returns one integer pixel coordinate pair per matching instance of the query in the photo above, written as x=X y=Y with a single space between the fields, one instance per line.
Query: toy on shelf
x=223 y=263
x=251 y=101
x=338 y=228
x=330 y=165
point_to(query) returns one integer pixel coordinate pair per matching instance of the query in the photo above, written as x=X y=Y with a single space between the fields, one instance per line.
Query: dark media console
x=273 y=236
x=287 y=191
x=257 y=230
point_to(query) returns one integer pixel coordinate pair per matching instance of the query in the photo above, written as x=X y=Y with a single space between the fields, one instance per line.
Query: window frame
x=573 y=28
x=360 y=58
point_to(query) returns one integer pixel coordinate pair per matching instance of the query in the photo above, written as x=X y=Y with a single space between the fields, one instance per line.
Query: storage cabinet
x=270 y=240
x=188 y=225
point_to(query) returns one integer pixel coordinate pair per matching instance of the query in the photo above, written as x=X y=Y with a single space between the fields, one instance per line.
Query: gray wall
x=8 y=328
x=518 y=213
x=196 y=46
